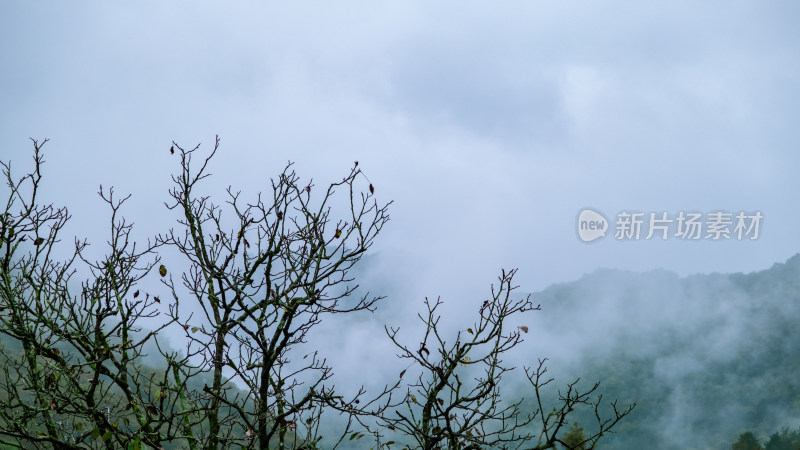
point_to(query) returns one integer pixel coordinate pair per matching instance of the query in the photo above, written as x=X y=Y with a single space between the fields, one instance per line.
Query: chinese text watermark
x=633 y=226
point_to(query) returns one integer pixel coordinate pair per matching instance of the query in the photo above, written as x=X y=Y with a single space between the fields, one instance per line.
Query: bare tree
x=554 y=424
x=71 y=374
x=255 y=279
x=264 y=274
x=455 y=402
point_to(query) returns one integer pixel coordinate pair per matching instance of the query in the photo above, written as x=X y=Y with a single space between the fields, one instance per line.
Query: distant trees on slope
x=779 y=440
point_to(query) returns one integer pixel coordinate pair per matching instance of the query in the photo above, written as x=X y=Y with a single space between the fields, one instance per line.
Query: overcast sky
x=491 y=125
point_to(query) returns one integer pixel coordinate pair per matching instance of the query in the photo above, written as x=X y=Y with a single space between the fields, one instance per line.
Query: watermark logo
x=591 y=225
x=687 y=226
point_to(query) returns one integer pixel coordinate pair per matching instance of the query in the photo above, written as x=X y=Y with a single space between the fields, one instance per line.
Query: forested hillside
x=706 y=357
